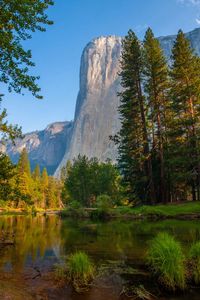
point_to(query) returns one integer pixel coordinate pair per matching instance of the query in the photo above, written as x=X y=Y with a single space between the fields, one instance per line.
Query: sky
x=57 y=52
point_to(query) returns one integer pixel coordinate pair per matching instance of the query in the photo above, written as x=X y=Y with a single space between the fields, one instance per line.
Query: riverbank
x=22 y=211
x=185 y=211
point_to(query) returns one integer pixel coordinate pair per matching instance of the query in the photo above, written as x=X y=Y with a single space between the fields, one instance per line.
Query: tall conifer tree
x=156 y=85
x=185 y=93
x=134 y=153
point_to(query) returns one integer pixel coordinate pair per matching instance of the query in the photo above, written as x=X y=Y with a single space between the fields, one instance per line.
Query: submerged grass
x=80 y=271
x=166 y=260
x=195 y=262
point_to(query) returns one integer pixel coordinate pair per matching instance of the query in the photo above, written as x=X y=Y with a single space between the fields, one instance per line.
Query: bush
x=195 y=262
x=80 y=270
x=75 y=204
x=166 y=259
x=104 y=202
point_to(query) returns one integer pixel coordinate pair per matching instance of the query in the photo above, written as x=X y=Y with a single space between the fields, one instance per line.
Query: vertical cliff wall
x=96 y=115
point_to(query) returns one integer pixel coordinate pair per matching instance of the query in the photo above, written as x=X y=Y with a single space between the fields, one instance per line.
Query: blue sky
x=57 y=52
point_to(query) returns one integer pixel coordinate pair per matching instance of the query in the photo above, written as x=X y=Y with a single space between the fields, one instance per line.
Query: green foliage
x=166 y=260
x=104 y=204
x=75 y=204
x=88 y=179
x=195 y=262
x=7 y=131
x=159 y=150
x=7 y=172
x=104 y=201
x=24 y=189
x=80 y=270
x=18 y=20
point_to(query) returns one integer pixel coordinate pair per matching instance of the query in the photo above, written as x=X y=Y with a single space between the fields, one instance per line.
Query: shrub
x=75 y=204
x=104 y=202
x=166 y=259
x=195 y=262
x=80 y=270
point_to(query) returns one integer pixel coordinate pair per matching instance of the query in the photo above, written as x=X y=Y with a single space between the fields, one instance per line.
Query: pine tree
x=36 y=173
x=185 y=93
x=156 y=85
x=23 y=163
x=134 y=152
x=24 y=180
x=44 y=187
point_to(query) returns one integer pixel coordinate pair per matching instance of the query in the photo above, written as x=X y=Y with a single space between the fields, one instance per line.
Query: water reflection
x=45 y=239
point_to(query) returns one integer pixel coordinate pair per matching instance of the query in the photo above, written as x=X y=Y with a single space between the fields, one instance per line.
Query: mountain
x=45 y=147
x=96 y=115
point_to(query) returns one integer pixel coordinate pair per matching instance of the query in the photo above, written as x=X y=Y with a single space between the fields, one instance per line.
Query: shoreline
x=178 y=211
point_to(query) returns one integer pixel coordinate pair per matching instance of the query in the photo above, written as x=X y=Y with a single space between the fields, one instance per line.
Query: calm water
x=40 y=242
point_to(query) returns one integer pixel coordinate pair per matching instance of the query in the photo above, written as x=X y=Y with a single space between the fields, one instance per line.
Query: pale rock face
x=96 y=116
x=45 y=147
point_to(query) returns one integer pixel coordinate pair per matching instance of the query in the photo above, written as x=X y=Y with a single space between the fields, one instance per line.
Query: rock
x=96 y=115
x=45 y=147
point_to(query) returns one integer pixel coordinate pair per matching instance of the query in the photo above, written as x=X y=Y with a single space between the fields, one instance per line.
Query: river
x=41 y=242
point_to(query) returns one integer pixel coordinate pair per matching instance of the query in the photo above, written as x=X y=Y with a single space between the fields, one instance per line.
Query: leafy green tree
x=18 y=19
x=78 y=182
x=8 y=131
x=88 y=179
x=7 y=172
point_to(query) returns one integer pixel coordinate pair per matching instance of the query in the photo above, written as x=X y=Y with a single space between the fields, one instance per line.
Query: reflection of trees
x=34 y=237
x=123 y=240
x=43 y=237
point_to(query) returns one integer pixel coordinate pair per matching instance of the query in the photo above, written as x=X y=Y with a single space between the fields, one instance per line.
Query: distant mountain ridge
x=96 y=114
x=45 y=147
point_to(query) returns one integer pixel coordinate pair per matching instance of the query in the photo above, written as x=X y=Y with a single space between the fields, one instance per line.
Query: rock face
x=96 y=115
x=45 y=147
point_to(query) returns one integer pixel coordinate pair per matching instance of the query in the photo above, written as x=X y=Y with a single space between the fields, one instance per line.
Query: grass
x=194 y=256
x=80 y=270
x=161 y=210
x=166 y=260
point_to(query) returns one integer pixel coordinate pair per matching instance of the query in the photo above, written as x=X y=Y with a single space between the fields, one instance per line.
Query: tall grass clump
x=195 y=262
x=166 y=260
x=80 y=270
